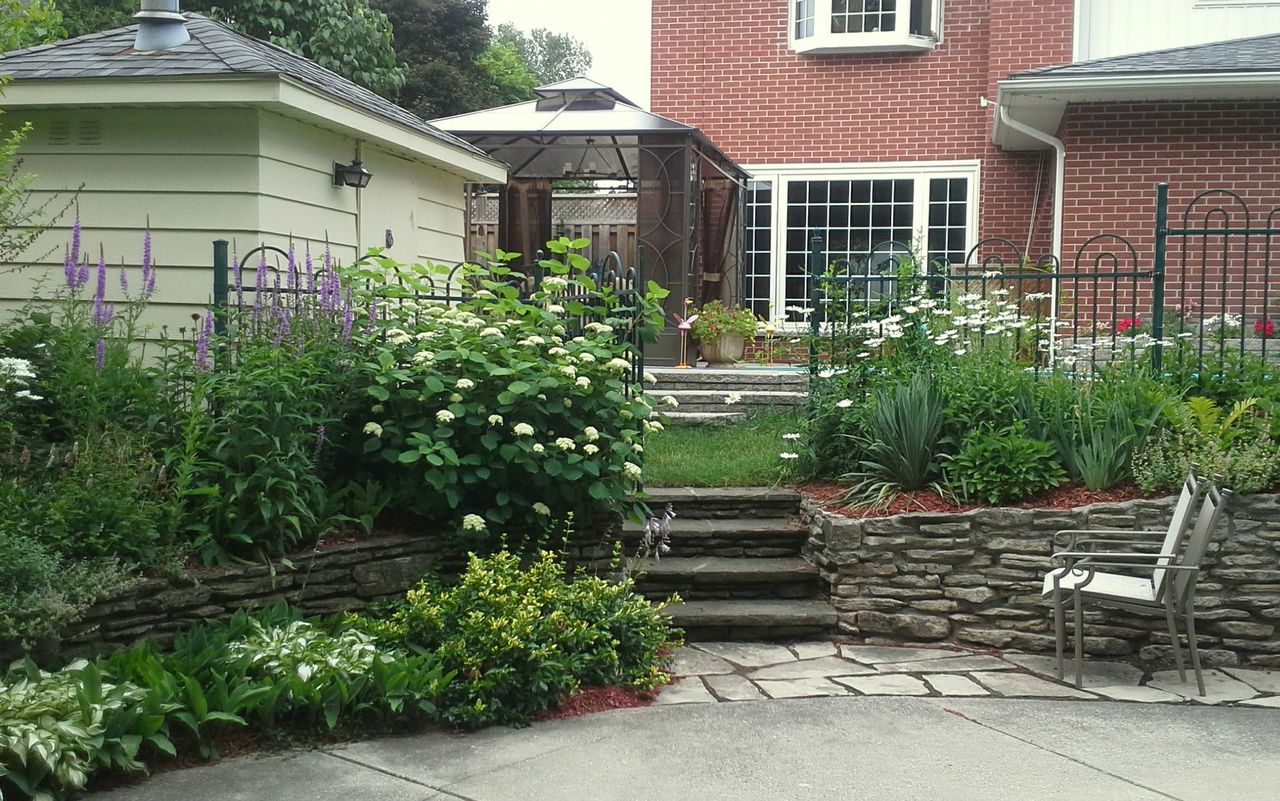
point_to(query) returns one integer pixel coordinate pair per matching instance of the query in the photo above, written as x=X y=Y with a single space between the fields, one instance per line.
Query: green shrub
x=901 y=442
x=102 y=496
x=41 y=591
x=837 y=415
x=492 y=412
x=1235 y=443
x=520 y=640
x=1002 y=466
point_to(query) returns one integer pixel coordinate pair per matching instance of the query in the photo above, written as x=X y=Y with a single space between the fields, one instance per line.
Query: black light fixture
x=353 y=174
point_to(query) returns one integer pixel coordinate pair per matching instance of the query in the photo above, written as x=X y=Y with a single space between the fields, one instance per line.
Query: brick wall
x=724 y=66
x=1118 y=152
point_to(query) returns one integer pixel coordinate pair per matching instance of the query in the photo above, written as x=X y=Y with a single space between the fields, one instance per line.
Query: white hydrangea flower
x=565 y=444
x=650 y=378
x=631 y=470
x=542 y=509
x=373 y=428
x=522 y=430
x=668 y=400
x=569 y=370
x=495 y=419
x=424 y=357
x=586 y=358
x=590 y=450
x=555 y=308
x=556 y=352
x=465 y=384
x=598 y=328
x=455 y=398
x=538 y=447
x=621 y=365
x=26 y=394
x=637 y=447
x=491 y=332
x=583 y=381
x=591 y=433
x=444 y=416
x=473 y=523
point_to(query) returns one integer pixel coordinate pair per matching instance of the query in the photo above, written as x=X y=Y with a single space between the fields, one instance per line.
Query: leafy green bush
x=837 y=414
x=1002 y=466
x=41 y=591
x=520 y=640
x=1235 y=443
x=491 y=412
x=901 y=442
x=981 y=394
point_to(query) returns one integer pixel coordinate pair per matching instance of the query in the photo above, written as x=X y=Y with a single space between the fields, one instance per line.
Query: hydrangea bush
x=502 y=410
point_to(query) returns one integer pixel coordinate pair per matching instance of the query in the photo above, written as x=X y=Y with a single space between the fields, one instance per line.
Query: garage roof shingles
x=214 y=49
x=1256 y=54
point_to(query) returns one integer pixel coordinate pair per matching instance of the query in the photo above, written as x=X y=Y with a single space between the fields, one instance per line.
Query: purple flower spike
x=75 y=238
x=202 y=343
x=82 y=275
x=124 y=280
x=259 y=279
x=348 y=319
x=373 y=316
x=148 y=279
x=100 y=354
x=311 y=271
x=69 y=270
x=100 y=293
x=292 y=264
x=238 y=275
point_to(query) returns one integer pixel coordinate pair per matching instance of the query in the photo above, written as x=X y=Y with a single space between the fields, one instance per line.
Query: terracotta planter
x=725 y=350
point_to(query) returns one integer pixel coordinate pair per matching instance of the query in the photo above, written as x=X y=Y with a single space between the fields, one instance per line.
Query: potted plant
x=722 y=332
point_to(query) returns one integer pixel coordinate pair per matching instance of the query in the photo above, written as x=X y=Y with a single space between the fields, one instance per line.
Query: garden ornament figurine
x=685 y=325
x=657 y=533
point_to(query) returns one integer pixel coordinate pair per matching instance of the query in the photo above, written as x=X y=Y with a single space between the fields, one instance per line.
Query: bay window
x=851 y=26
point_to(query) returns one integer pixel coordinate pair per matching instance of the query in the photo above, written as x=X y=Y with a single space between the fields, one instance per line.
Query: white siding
x=197 y=175
x=192 y=174
x=1119 y=27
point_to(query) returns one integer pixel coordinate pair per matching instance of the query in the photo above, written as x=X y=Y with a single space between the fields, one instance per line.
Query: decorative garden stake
x=685 y=325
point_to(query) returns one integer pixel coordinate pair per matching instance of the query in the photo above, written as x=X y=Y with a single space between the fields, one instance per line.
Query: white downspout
x=1060 y=172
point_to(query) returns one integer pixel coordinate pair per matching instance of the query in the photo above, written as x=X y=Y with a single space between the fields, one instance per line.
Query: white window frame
x=824 y=41
x=781 y=175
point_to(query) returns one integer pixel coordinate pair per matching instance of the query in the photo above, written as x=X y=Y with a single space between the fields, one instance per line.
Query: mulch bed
x=829 y=494
x=599 y=699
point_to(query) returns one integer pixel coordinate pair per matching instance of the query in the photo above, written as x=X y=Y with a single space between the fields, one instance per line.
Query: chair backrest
x=1215 y=501
x=1182 y=514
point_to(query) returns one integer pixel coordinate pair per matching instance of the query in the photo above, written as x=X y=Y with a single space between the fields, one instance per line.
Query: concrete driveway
x=847 y=748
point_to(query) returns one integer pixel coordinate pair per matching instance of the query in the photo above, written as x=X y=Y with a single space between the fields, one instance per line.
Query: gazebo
x=689 y=194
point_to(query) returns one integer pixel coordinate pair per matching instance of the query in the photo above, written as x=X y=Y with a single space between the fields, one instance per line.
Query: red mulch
x=599 y=699
x=828 y=495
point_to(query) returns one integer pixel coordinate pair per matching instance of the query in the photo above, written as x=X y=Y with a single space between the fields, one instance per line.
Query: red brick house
x=942 y=122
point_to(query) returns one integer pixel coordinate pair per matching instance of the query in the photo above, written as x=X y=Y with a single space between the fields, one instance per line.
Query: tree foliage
x=549 y=56
x=507 y=77
x=440 y=43
x=24 y=23
x=345 y=36
x=81 y=17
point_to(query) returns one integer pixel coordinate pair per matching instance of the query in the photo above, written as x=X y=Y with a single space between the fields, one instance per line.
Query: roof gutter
x=1060 y=169
x=1050 y=84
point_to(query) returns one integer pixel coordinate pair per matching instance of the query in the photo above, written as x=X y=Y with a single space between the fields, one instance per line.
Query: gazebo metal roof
x=577 y=129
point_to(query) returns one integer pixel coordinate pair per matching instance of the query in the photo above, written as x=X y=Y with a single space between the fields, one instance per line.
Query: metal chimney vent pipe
x=161 y=26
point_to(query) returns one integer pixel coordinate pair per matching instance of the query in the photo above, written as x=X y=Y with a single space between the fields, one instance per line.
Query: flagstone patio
x=711 y=672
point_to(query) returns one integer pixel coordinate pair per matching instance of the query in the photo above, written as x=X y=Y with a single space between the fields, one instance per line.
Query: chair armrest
x=1111 y=555
x=1073 y=535
x=1106 y=541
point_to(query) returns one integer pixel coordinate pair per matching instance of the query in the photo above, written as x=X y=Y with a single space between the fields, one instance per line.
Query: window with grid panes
x=758 y=233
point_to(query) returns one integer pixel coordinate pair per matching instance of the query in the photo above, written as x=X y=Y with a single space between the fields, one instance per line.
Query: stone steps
x=705 y=418
x=713 y=401
x=753 y=620
x=725 y=578
x=746 y=537
x=693 y=503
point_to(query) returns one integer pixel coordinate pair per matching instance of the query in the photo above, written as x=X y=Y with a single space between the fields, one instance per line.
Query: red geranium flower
x=1265 y=327
x=1127 y=323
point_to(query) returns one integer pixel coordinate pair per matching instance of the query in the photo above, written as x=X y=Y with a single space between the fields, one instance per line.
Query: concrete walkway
x=847 y=748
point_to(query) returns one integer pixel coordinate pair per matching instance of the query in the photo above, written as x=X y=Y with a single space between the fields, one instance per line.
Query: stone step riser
x=657 y=590
x=749 y=633
x=707 y=504
x=737 y=409
x=724 y=388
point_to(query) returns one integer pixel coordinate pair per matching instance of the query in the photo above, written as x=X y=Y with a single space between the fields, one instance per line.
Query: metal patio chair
x=1146 y=581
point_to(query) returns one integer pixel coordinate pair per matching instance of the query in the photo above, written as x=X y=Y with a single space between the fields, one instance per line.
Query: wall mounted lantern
x=353 y=174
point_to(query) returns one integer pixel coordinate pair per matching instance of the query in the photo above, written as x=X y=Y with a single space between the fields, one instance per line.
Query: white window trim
x=779 y=175
x=824 y=41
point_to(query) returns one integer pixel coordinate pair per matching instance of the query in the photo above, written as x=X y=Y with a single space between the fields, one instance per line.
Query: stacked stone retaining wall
x=975 y=577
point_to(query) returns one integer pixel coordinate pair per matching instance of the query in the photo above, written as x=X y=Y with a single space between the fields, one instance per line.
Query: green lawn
x=740 y=455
